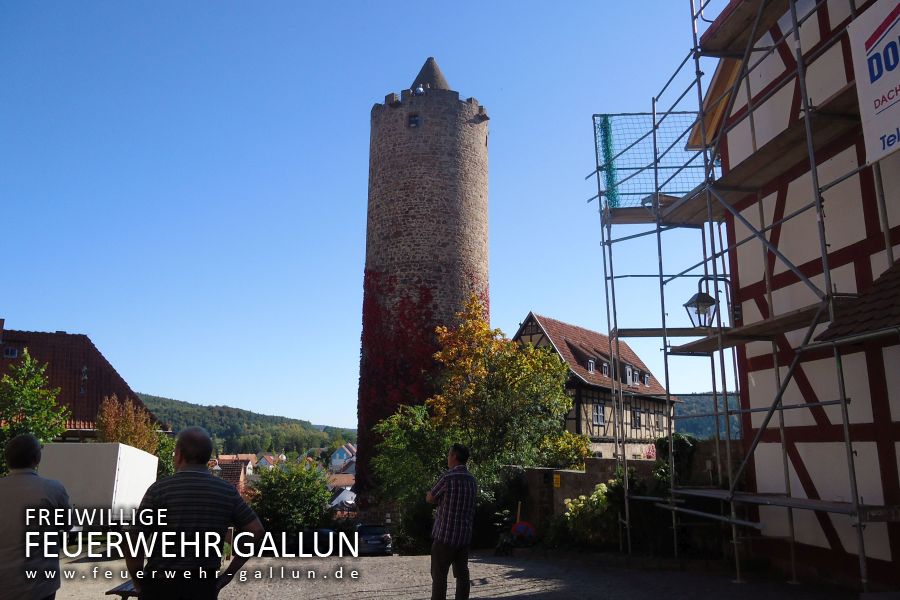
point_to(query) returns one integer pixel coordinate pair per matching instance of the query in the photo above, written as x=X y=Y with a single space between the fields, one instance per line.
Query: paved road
x=407 y=578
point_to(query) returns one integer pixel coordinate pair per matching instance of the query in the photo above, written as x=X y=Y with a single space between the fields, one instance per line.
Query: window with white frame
x=606 y=369
x=590 y=365
x=635 y=377
x=647 y=379
x=636 y=418
x=628 y=373
x=599 y=416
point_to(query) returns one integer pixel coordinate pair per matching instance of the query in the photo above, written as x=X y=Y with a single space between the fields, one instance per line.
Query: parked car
x=374 y=539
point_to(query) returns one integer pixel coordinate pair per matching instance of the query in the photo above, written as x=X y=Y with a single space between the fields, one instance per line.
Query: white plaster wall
x=809 y=30
x=767 y=71
x=826 y=75
x=844 y=222
x=890 y=175
x=823 y=378
x=879 y=261
x=838 y=10
x=763 y=389
x=749 y=255
x=891 y=358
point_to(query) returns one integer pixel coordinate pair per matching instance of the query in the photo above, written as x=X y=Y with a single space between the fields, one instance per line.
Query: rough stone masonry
x=426 y=241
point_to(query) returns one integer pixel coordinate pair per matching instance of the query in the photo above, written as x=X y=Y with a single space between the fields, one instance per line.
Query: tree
x=126 y=423
x=411 y=456
x=28 y=404
x=291 y=498
x=499 y=397
x=165 y=452
x=506 y=401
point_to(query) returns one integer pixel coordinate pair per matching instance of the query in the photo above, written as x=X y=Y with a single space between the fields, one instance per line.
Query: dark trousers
x=442 y=556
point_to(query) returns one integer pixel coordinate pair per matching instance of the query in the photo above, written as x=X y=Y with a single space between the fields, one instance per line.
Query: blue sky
x=186 y=182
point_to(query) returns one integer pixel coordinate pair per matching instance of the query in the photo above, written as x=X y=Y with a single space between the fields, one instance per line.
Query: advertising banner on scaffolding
x=875 y=44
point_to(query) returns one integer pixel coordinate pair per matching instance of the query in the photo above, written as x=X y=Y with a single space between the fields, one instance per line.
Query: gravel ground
x=407 y=578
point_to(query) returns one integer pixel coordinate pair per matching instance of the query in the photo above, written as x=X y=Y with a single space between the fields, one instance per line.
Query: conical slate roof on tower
x=430 y=76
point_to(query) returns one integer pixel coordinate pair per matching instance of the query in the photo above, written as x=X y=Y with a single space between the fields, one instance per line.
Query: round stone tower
x=426 y=240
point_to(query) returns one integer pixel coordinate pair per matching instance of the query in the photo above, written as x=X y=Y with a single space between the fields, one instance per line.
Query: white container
x=100 y=475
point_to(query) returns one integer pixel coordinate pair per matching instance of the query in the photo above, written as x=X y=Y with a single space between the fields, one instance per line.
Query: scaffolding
x=657 y=173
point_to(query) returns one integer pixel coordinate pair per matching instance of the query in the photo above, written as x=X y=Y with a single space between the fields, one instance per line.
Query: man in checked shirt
x=454 y=494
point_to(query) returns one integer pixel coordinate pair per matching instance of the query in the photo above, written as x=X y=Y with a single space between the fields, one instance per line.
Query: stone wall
x=428 y=198
x=544 y=500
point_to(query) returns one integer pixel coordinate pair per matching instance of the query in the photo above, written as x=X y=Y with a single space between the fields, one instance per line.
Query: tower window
x=590 y=365
x=412 y=121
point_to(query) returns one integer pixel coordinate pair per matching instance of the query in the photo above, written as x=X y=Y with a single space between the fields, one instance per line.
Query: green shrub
x=589 y=520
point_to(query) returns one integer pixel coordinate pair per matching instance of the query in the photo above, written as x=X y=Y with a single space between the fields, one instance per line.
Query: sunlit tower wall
x=426 y=242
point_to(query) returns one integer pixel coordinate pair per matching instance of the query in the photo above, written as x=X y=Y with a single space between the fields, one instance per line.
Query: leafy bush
x=589 y=520
x=28 y=404
x=291 y=498
x=684 y=445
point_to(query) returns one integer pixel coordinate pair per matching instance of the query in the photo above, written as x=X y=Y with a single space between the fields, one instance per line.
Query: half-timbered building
x=593 y=381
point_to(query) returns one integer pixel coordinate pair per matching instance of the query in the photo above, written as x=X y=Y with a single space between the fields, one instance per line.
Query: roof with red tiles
x=75 y=366
x=233 y=473
x=341 y=480
x=875 y=309
x=575 y=345
x=237 y=458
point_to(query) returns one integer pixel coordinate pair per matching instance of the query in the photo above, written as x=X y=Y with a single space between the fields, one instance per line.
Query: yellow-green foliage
x=589 y=519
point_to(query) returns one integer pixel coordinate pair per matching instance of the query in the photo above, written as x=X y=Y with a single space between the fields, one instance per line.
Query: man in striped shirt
x=195 y=503
x=454 y=494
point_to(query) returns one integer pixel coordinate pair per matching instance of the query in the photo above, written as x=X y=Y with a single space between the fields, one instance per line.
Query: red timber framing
x=795 y=230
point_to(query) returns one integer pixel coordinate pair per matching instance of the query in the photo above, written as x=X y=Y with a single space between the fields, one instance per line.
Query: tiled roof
x=237 y=458
x=232 y=473
x=341 y=480
x=576 y=344
x=876 y=308
x=75 y=366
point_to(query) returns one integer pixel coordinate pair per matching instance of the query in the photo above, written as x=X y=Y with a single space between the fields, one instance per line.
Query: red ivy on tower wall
x=397 y=363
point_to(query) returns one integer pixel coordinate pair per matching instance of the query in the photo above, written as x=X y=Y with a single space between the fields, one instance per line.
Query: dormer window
x=590 y=365
x=606 y=369
x=629 y=374
x=635 y=377
x=647 y=379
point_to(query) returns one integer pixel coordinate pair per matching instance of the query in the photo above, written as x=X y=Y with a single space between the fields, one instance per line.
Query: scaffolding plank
x=831 y=119
x=869 y=513
x=630 y=215
x=762 y=330
x=730 y=32
x=658 y=332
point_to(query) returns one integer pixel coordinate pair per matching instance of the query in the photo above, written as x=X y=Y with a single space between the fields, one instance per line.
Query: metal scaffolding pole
x=670 y=412
x=826 y=272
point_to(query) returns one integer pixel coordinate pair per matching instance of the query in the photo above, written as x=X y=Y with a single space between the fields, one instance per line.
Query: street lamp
x=701 y=309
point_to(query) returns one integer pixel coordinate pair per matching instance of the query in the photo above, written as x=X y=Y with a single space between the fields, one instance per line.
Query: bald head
x=23 y=452
x=194 y=446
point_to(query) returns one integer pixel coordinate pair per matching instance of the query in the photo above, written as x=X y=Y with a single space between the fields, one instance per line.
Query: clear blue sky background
x=186 y=182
